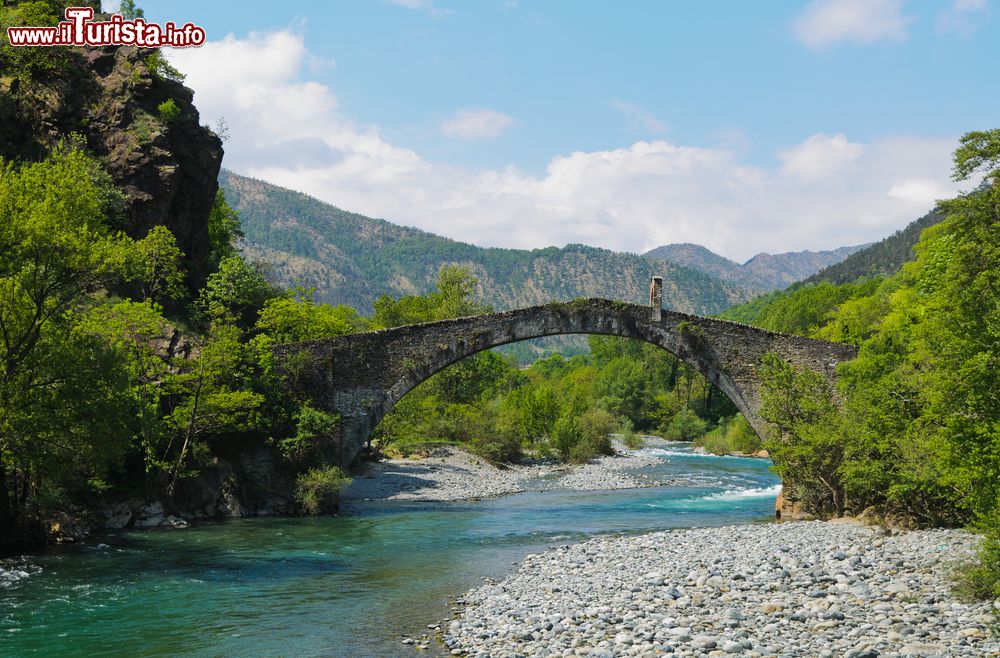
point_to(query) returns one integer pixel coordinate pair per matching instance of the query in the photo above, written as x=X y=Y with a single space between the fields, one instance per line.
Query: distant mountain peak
x=762 y=273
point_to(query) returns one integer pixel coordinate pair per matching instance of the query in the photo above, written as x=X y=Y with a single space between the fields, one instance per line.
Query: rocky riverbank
x=449 y=474
x=809 y=589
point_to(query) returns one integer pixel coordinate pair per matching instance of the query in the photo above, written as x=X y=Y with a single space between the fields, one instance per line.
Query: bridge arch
x=362 y=376
x=674 y=343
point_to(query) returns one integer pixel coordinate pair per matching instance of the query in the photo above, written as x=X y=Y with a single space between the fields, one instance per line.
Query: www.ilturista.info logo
x=80 y=30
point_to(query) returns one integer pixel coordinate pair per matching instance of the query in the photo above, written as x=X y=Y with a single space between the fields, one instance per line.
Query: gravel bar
x=806 y=589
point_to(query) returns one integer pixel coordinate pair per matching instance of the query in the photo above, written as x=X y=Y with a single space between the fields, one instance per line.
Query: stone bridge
x=362 y=376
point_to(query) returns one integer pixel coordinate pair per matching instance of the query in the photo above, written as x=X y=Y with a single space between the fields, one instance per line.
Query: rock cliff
x=130 y=109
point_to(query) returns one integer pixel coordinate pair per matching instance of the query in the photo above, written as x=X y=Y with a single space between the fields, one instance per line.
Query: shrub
x=168 y=111
x=684 y=426
x=580 y=438
x=498 y=448
x=631 y=440
x=318 y=489
x=314 y=431
x=732 y=435
x=979 y=578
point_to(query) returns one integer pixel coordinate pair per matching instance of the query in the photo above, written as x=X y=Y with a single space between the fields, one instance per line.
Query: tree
x=807 y=442
x=156 y=264
x=291 y=319
x=236 y=292
x=211 y=395
x=224 y=231
x=129 y=10
x=62 y=409
x=451 y=299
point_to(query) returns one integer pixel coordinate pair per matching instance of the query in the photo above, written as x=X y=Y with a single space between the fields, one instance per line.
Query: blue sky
x=744 y=126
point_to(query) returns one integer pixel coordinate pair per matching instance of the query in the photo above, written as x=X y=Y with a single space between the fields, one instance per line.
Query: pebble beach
x=451 y=474
x=803 y=589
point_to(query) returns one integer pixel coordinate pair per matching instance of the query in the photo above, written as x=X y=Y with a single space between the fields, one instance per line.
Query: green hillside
x=352 y=259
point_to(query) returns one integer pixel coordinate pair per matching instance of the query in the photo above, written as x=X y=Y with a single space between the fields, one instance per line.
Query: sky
x=742 y=126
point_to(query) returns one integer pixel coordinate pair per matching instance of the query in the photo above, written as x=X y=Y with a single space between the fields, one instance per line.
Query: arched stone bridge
x=362 y=376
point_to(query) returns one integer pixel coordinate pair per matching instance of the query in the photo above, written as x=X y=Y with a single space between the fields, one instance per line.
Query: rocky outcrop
x=250 y=483
x=166 y=163
x=788 y=509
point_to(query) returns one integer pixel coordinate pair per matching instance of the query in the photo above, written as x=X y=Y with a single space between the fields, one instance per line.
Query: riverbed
x=353 y=585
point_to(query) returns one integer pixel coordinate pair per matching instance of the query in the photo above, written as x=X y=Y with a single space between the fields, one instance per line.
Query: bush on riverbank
x=318 y=489
x=731 y=435
x=497 y=449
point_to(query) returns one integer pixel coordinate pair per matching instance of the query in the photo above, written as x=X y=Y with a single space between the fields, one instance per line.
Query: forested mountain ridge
x=882 y=258
x=352 y=259
x=762 y=273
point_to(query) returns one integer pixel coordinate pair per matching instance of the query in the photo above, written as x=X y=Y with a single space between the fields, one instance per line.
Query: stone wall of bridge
x=362 y=376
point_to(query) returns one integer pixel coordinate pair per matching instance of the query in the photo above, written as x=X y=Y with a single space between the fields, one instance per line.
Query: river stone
x=117 y=516
x=599 y=590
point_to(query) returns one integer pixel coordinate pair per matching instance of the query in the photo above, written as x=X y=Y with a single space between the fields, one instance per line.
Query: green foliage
x=318 y=489
x=313 y=438
x=593 y=429
x=237 y=291
x=623 y=389
x=209 y=397
x=732 y=435
x=168 y=111
x=224 y=231
x=156 y=264
x=978 y=151
x=807 y=445
x=979 y=578
x=287 y=319
x=65 y=407
x=129 y=10
x=451 y=299
x=802 y=309
x=161 y=68
x=917 y=431
x=32 y=63
x=684 y=426
x=631 y=440
x=497 y=448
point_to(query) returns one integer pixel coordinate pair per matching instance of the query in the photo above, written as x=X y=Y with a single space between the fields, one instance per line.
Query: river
x=352 y=585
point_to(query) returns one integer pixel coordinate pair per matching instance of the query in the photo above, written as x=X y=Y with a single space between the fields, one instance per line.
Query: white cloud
x=826 y=192
x=919 y=191
x=476 y=123
x=821 y=157
x=640 y=120
x=825 y=22
x=963 y=17
x=422 y=5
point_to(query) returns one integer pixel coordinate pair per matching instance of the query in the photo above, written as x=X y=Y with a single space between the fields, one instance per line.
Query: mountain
x=352 y=259
x=762 y=273
x=879 y=259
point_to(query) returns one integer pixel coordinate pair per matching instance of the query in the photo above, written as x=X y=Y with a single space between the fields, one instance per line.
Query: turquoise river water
x=351 y=585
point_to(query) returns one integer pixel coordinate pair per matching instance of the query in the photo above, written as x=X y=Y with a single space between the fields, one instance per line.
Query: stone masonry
x=362 y=376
